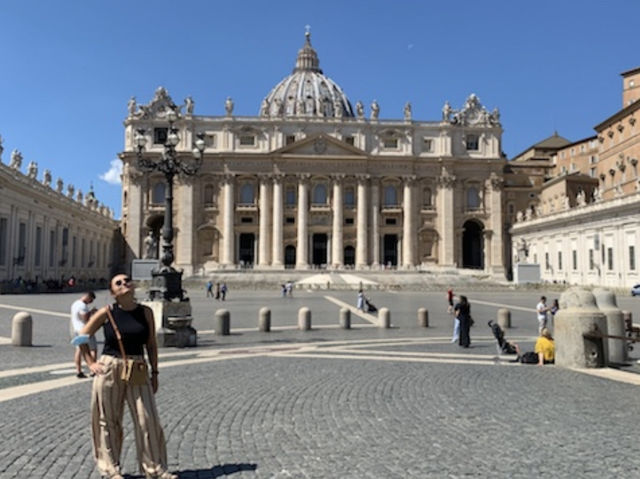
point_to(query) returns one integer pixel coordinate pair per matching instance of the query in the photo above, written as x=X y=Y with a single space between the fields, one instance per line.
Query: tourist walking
x=223 y=291
x=121 y=376
x=541 y=312
x=360 y=301
x=462 y=311
x=80 y=314
x=209 y=289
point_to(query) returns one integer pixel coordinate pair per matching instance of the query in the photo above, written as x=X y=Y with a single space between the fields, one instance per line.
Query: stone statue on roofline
x=375 y=110
x=446 y=111
x=59 y=185
x=46 y=178
x=360 y=109
x=228 y=106
x=407 y=111
x=132 y=106
x=16 y=160
x=32 y=170
x=189 y=105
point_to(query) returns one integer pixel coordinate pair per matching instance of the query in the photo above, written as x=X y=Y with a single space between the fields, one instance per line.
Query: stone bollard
x=264 y=320
x=21 y=329
x=304 y=319
x=617 y=348
x=384 y=318
x=223 y=322
x=578 y=317
x=504 y=318
x=423 y=317
x=345 y=318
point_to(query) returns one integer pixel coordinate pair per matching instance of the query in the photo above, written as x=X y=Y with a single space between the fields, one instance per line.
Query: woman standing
x=134 y=331
x=462 y=311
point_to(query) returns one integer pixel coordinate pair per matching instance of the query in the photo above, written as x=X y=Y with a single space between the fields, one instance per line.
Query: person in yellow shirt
x=545 y=348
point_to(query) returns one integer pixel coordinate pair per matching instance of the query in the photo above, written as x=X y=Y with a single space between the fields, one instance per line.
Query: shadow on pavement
x=209 y=473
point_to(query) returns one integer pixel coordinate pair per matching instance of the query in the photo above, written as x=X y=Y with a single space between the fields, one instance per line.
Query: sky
x=69 y=67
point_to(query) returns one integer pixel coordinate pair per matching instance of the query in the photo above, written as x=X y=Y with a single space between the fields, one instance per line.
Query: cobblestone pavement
x=329 y=403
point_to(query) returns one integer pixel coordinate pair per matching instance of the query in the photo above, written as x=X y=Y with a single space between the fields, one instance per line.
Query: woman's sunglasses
x=122 y=281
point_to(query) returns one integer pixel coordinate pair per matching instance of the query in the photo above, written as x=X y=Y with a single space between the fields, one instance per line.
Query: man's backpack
x=529 y=358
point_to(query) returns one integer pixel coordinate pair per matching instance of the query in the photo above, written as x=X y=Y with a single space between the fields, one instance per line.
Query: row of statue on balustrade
x=580 y=201
x=32 y=172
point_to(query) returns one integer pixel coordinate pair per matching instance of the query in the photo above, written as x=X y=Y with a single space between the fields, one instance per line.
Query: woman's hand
x=96 y=368
x=154 y=383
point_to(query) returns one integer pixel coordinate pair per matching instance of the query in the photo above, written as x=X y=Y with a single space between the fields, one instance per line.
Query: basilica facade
x=313 y=182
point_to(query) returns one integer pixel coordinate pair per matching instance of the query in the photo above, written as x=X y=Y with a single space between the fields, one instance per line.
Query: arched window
x=320 y=194
x=473 y=198
x=390 y=196
x=158 y=193
x=426 y=198
x=247 y=194
x=209 y=195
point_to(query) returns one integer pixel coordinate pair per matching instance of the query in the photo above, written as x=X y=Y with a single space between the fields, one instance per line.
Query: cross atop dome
x=307 y=57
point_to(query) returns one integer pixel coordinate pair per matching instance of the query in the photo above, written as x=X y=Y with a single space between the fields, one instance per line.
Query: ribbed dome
x=306 y=92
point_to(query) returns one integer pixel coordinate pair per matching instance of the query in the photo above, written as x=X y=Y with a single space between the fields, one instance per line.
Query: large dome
x=306 y=92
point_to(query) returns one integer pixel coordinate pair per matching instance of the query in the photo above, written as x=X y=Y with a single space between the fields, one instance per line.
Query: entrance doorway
x=319 y=244
x=472 y=245
x=349 y=256
x=390 y=250
x=290 y=256
x=246 y=253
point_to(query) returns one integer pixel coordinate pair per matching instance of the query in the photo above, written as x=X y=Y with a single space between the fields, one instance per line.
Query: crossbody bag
x=135 y=370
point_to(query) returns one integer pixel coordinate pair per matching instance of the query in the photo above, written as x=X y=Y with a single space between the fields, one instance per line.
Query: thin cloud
x=113 y=175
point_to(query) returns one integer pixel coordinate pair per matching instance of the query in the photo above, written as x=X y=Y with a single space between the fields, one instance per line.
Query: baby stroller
x=503 y=346
x=369 y=306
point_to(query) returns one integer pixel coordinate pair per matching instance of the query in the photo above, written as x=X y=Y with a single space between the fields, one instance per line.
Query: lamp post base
x=173 y=323
x=166 y=284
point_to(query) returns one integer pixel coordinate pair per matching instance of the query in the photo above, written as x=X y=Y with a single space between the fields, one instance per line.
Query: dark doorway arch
x=349 y=256
x=290 y=256
x=246 y=251
x=390 y=250
x=473 y=245
x=319 y=244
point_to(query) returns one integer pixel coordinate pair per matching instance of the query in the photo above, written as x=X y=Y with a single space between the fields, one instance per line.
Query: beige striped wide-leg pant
x=107 y=409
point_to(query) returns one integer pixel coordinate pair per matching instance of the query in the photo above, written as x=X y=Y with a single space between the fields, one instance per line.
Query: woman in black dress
x=462 y=310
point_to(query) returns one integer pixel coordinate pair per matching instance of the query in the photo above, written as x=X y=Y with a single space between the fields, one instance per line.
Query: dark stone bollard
x=21 y=329
x=345 y=318
x=423 y=317
x=504 y=318
x=264 y=320
x=384 y=318
x=223 y=322
x=304 y=319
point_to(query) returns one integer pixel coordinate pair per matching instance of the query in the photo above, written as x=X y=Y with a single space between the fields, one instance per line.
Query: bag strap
x=118 y=335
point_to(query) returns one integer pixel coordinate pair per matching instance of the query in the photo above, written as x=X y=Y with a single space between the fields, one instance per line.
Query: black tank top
x=134 y=330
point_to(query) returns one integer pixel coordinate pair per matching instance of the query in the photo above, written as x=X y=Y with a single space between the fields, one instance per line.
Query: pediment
x=320 y=145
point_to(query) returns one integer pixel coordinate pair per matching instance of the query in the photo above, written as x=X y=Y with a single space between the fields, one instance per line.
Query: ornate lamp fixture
x=167 y=282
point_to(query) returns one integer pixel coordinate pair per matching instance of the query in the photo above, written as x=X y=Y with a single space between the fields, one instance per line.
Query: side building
x=48 y=233
x=585 y=226
x=310 y=182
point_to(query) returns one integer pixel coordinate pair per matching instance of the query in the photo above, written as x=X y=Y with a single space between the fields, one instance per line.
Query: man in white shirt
x=541 y=310
x=80 y=314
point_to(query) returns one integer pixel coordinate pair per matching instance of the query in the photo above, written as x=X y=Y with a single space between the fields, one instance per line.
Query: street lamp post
x=166 y=280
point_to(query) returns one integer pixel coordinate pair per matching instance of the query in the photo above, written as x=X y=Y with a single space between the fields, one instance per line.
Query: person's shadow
x=209 y=473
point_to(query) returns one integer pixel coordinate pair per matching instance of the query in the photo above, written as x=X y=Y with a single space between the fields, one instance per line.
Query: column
x=362 y=229
x=264 y=256
x=375 y=224
x=337 y=245
x=134 y=218
x=446 y=219
x=278 y=220
x=408 y=224
x=184 y=241
x=302 y=249
x=228 y=216
x=497 y=239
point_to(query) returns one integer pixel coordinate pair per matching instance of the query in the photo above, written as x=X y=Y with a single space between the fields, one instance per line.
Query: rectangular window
x=472 y=142
x=592 y=172
x=290 y=197
x=390 y=143
x=574 y=259
x=559 y=260
x=547 y=265
x=38 y=256
x=290 y=220
x=427 y=145
x=22 y=243
x=591 y=260
x=4 y=231
x=348 y=221
x=390 y=221
x=210 y=140
x=246 y=219
x=247 y=140
x=290 y=139
x=82 y=253
x=52 y=248
x=65 y=247
x=610 y=259
x=350 y=140
x=160 y=135
x=632 y=258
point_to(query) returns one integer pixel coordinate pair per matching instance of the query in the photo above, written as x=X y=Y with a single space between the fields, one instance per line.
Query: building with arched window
x=313 y=182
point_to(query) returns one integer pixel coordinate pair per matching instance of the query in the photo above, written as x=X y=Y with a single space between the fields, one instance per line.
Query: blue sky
x=68 y=68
